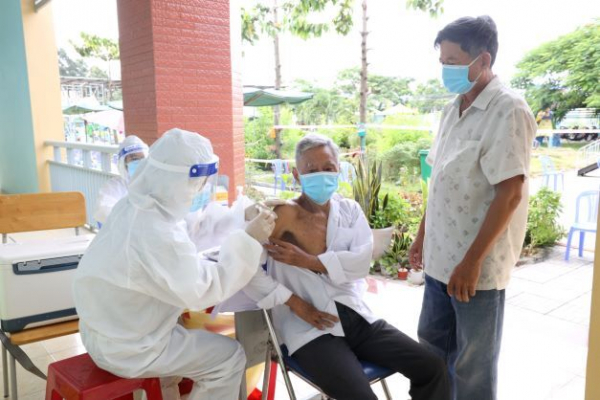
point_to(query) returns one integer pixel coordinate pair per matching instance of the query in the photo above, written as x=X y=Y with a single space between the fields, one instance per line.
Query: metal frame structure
x=275 y=348
x=77 y=88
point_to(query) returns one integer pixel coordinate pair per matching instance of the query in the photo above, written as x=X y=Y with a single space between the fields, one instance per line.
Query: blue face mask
x=456 y=78
x=132 y=166
x=200 y=201
x=320 y=186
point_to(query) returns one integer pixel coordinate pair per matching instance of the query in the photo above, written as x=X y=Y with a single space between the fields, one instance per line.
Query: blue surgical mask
x=132 y=166
x=320 y=186
x=200 y=201
x=456 y=78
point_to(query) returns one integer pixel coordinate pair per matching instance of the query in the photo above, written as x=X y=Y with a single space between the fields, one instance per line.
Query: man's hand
x=310 y=314
x=415 y=254
x=464 y=280
x=293 y=255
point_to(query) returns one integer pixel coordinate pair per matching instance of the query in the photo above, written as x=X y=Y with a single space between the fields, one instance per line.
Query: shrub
x=403 y=160
x=543 y=229
x=256 y=133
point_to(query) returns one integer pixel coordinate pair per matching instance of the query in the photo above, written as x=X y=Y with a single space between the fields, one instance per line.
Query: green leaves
x=384 y=91
x=543 y=228
x=430 y=96
x=366 y=189
x=97 y=47
x=297 y=17
x=69 y=67
x=433 y=7
x=563 y=74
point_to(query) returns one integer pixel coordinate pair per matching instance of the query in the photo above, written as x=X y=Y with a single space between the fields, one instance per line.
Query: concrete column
x=180 y=62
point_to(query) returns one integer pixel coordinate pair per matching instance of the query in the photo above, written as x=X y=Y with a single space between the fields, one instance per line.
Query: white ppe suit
x=142 y=270
x=116 y=188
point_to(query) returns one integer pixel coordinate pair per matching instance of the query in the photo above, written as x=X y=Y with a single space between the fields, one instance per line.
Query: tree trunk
x=364 y=88
x=276 y=109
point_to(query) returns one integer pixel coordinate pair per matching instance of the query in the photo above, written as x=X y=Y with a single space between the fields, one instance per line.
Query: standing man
x=472 y=234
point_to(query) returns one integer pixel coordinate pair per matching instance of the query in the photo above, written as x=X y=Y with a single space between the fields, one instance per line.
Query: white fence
x=83 y=168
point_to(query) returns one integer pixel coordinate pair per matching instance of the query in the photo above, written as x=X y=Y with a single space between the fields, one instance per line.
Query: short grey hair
x=313 y=140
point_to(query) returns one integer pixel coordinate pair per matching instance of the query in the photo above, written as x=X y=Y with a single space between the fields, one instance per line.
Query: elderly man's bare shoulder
x=287 y=215
x=288 y=211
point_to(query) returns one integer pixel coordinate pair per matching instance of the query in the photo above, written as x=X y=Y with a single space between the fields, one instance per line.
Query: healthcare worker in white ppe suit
x=142 y=270
x=132 y=151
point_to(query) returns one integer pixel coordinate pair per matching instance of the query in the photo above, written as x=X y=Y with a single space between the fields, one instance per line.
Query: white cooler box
x=36 y=281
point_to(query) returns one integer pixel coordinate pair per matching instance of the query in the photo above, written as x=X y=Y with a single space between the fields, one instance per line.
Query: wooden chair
x=28 y=213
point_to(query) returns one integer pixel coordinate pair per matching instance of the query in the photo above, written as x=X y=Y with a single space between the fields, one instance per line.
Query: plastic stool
x=78 y=378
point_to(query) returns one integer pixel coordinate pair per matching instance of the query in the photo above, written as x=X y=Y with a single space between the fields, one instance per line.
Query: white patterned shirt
x=490 y=143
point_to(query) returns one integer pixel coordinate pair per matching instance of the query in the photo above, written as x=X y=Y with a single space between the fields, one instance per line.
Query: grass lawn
x=564 y=157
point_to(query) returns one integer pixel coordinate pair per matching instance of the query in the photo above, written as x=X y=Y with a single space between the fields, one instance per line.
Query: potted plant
x=403 y=272
x=365 y=188
x=401 y=245
x=395 y=261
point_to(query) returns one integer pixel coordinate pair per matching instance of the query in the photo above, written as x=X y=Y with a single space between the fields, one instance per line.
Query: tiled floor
x=545 y=331
x=31 y=387
x=544 y=346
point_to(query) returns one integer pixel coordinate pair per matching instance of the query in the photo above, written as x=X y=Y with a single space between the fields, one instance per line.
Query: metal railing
x=83 y=168
x=588 y=154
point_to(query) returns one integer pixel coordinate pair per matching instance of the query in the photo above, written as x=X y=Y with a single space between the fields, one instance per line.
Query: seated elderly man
x=319 y=256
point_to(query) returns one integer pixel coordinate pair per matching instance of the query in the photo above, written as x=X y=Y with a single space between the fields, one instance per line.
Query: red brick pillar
x=180 y=63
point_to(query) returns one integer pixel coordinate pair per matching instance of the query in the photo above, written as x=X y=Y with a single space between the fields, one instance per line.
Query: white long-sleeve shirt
x=347 y=260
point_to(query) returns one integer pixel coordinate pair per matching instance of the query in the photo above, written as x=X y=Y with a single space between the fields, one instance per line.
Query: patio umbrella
x=84 y=106
x=254 y=97
x=112 y=119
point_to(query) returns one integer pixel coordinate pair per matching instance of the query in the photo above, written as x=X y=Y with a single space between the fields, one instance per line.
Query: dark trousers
x=333 y=361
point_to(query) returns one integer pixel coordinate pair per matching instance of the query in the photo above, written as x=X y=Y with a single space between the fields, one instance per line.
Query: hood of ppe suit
x=129 y=141
x=158 y=187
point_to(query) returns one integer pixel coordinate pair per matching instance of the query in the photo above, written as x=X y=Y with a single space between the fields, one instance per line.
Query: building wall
x=30 y=109
x=44 y=85
x=181 y=64
x=18 y=172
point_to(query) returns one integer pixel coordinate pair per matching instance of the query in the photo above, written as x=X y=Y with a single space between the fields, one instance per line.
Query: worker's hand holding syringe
x=261 y=226
x=252 y=211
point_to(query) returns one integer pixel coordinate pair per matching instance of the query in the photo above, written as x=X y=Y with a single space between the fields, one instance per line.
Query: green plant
x=398 y=212
x=543 y=229
x=397 y=254
x=366 y=187
x=345 y=190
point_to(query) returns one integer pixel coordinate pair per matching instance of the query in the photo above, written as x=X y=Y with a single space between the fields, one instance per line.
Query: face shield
x=205 y=177
x=130 y=158
x=202 y=179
